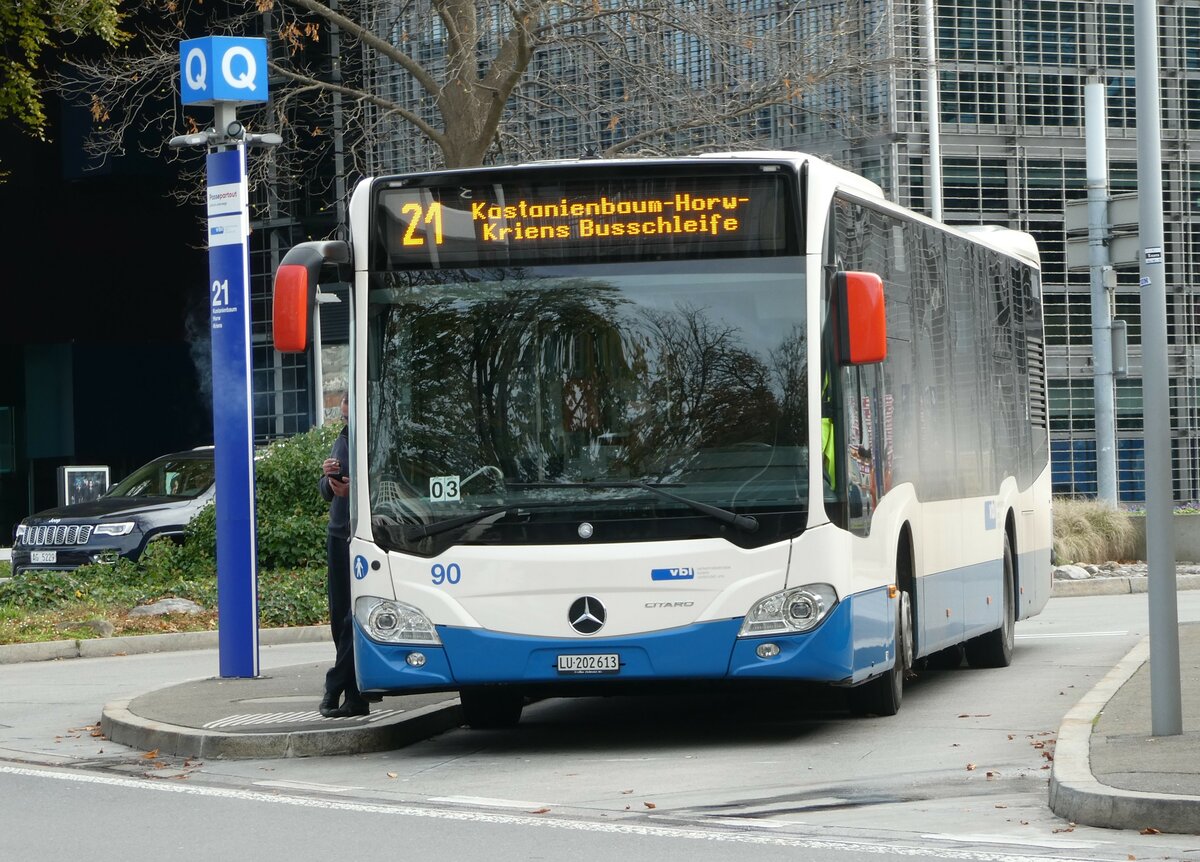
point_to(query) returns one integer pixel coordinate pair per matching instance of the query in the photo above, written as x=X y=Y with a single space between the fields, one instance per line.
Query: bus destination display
x=647 y=218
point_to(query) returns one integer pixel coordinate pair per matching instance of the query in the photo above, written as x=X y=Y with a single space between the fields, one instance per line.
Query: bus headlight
x=390 y=621
x=791 y=611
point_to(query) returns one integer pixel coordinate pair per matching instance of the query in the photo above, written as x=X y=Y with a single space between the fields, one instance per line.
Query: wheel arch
x=906 y=577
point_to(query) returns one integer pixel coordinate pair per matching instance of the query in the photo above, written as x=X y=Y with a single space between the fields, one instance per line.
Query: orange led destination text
x=524 y=221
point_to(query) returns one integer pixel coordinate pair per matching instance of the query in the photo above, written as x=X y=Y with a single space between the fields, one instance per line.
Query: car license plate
x=43 y=556
x=608 y=663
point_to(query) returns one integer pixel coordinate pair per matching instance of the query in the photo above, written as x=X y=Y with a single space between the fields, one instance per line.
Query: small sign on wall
x=81 y=484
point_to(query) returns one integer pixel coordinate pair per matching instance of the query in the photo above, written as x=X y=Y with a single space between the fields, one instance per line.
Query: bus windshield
x=492 y=388
x=534 y=380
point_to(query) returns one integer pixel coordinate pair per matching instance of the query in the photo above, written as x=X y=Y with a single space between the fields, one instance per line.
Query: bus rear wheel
x=995 y=648
x=883 y=694
x=491 y=708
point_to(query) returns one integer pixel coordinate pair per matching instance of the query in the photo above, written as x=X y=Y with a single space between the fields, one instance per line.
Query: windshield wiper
x=747 y=523
x=411 y=532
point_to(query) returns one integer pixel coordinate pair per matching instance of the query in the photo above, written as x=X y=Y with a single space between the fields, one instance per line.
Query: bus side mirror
x=295 y=291
x=862 y=322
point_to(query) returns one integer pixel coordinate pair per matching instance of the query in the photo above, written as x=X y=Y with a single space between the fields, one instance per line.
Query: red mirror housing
x=292 y=304
x=862 y=321
x=295 y=291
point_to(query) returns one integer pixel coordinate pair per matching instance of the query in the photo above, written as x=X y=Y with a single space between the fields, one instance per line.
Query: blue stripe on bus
x=854 y=642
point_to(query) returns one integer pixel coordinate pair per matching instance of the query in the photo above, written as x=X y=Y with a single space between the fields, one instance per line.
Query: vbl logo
x=677 y=574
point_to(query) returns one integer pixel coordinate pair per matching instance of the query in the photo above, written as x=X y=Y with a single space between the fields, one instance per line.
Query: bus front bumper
x=854 y=642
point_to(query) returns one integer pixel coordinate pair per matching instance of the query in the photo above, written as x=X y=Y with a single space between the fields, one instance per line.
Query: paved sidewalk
x=1108 y=769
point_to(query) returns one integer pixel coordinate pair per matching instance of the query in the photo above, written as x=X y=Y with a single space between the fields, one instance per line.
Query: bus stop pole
x=1166 y=710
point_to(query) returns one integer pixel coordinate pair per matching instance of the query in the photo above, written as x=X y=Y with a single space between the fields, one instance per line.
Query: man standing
x=335 y=488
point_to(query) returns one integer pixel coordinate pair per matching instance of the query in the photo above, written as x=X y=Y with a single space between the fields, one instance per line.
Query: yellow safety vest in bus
x=828 y=455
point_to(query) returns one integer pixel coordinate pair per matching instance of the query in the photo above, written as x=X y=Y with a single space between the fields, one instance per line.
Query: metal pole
x=1102 y=370
x=1165 y=702
x=318 y=365
x=933 y=93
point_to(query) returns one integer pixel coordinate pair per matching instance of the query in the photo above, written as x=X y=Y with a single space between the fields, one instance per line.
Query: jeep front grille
x=58 y=534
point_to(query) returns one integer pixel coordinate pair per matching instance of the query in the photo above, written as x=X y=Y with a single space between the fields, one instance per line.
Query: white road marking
x=1052 y=843
x=284 y=784
x=490 y=803
x=249 y=719
x=641 y=829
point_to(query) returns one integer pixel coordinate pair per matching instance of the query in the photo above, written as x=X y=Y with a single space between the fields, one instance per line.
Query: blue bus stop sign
x=223 y=69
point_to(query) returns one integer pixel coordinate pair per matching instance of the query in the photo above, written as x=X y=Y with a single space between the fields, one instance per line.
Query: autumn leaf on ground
x=990 y=775
x=540 y=811
x=970 y=767
x=391 y=775
x=1150 y=830
x=150 y=755
x=626 y=792
x=1001 y=805
x=649 y=804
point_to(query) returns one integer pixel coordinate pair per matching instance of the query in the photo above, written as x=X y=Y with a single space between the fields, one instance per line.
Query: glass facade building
x=1011 y=76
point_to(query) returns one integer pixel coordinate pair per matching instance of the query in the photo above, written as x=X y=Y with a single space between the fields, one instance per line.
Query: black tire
x=883 y=694
x=995 y=649
x=491 y=708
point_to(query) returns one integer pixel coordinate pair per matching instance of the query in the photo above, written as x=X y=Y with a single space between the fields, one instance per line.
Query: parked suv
x=158 y=499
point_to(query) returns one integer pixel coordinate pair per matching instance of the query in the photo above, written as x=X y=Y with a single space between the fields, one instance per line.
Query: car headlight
x=394 y=622
x=791 y=611
x=19 y=534
x=124 y=528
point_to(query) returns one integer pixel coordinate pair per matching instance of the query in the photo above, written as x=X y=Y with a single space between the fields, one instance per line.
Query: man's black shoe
x=329 y=704
x=349 y=709
x=356 y=707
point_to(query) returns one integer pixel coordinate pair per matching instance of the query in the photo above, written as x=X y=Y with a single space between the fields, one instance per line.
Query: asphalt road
x=957 y=775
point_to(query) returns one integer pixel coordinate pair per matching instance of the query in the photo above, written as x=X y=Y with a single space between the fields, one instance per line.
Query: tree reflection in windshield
x=496 y=379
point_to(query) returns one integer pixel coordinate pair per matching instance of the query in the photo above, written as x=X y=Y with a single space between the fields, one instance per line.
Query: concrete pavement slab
x=1110 y=771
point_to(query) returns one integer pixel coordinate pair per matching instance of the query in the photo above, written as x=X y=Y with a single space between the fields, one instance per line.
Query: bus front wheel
x=883 y=694
x=489 y=708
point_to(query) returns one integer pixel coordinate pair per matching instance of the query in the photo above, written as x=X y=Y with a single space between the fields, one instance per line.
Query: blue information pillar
x=233 y=420
x=223 y=71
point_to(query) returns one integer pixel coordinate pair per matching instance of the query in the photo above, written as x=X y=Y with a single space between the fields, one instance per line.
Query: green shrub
x=1086 y=531
x=292 y=597
x=292 y=516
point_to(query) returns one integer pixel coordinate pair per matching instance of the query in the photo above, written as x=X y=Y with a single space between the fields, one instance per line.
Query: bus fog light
x=390 y=621
x=415 y=659
x=767 y=650
x=790 y=611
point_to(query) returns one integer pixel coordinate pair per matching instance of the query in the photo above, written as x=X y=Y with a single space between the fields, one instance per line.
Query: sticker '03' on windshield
x=681 y=574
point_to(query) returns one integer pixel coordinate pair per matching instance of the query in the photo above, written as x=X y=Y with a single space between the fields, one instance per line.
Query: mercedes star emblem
x=587 y=615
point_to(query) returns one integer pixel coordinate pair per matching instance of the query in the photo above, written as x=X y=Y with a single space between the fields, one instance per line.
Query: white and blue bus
x=725 y=417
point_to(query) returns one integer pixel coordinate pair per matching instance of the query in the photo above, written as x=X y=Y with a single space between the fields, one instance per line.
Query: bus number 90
x=450 y=574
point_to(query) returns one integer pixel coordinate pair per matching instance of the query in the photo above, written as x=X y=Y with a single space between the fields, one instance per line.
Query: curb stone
x=1099 y=586
x=141 y=644
x=1077 y=796
x=124 y=728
